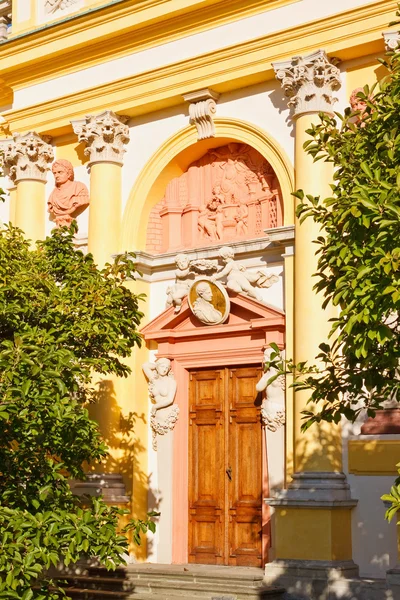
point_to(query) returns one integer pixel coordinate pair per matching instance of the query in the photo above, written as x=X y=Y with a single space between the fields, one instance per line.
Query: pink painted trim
x=265 y=510
x=191 y=345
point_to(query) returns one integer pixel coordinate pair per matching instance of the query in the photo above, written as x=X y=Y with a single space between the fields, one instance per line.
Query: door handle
x=229 y=473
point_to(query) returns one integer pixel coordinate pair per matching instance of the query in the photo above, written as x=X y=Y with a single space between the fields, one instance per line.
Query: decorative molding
x=27 y=156
x=392 y=40
x=202 y=108
x=164 y=87
x=309 y=82
x=137 y=24
x=104 y=135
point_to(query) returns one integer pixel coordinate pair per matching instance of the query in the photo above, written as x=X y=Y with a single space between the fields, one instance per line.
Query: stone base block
x=393 y=582
x=325 y=580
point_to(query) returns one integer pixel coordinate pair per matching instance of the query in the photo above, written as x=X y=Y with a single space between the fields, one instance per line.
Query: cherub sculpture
x=183 y=280
x=239 y=279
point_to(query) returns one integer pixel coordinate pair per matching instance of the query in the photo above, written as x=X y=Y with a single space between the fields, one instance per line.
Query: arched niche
x=175 y=156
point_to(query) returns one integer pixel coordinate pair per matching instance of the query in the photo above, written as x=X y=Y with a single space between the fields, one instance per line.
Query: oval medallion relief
x=209 y=302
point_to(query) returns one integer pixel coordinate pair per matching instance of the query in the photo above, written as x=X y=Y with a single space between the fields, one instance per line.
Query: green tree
x=61 y=320
x=358 y=259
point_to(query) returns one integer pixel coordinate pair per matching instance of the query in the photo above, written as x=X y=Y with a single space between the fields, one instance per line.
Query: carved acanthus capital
x=27 y=156
x=309 y=82
x=392 y=40
x=105 y=136
x=202 y=108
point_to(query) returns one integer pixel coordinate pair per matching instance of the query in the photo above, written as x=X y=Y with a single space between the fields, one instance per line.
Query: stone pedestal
x=393 y=582
x=312 y=535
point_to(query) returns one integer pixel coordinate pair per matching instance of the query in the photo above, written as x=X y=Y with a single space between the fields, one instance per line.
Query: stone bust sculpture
x=69 y=198
x=202 y=307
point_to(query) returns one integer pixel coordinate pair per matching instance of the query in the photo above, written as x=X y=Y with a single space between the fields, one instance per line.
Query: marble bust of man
x=202 y=307
x=69 y=198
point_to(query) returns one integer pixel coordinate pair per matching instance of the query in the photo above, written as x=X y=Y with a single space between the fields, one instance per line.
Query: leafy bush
x=61 y=320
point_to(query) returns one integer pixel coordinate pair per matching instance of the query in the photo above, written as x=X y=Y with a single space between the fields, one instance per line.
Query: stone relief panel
x=230 y=193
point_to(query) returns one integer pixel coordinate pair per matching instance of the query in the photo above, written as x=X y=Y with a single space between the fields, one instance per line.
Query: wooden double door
x=225 y=467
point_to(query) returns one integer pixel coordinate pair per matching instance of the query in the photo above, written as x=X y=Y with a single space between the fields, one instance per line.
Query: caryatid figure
x=69 y=198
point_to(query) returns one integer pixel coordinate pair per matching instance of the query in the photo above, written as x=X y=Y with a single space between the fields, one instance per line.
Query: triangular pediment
x=245 y=313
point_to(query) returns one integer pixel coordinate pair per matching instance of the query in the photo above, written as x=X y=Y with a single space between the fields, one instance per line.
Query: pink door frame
x=191 y=345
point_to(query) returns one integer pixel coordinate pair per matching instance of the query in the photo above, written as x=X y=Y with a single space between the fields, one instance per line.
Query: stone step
x=173 y=582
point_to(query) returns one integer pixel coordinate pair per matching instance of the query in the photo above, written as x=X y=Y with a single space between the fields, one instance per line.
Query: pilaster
x=27 y=159
x=105 y=136
x=313 y=516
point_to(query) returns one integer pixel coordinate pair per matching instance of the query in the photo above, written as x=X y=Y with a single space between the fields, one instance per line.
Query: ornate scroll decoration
x=202 y=109
x=392 y=40
x=309 y=82
x=27 y=156
x=104 y=135
x=51 y=6
x=162 y=391
x=273 y=407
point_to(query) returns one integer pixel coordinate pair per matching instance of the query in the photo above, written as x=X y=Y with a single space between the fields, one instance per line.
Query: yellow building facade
x=175 y=115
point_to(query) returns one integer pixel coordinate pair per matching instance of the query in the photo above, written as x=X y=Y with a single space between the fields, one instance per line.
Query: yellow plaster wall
x=313 y=533
x=67 y=147
x=373 y=457
x=362 y=73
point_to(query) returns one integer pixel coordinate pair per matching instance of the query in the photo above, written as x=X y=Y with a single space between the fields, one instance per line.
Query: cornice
x=350 y=34
x=113 y=32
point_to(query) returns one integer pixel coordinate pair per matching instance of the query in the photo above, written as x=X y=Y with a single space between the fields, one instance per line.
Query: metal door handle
x=229 y=473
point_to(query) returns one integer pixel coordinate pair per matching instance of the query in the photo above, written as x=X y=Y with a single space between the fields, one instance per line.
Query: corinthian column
x=105 y=136
x=313 y=516
x=27 y=159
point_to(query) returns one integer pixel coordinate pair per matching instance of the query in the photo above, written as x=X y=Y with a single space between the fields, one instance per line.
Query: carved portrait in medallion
x=209 y=302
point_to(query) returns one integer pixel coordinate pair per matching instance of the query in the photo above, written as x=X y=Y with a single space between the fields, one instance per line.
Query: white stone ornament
x=52 y=6
x=309 y=82
x=273 y=414
x=239 y=279
x=392 y=40
x=209 y=302
x=187 y=270
x=27 y=156
x=105 y=136
x=202 y=109
x=162 y=391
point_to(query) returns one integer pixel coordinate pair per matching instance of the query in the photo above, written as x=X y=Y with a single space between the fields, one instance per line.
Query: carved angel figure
x=239 y=279
x=69 y=198
x=162 y=391
x=183 y=280
x=273 y=407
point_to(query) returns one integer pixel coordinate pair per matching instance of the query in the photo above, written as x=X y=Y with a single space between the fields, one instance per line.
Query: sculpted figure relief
x=185 y=274
x=209 y=302
x=69 y=198
x=51 y=6
x=273 y=407
x=239 y=279
x=162 y=391
x=231 y=192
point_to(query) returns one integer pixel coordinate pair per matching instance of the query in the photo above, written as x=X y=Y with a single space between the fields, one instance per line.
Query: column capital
x=309 y=82
x=392 y=40
x=27 y=156
x=104 y=135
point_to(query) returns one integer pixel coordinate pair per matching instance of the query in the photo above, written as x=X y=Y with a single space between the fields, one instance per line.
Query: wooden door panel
x=206 y=467
x=245 y=456
x=225 y=467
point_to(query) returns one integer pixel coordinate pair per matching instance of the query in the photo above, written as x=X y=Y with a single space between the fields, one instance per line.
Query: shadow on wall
x=125 y=447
